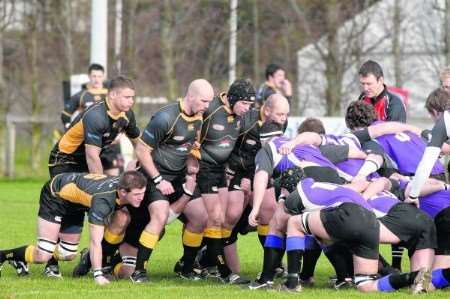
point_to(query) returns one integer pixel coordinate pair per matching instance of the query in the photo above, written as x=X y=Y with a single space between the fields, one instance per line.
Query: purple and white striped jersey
x=350 y=167
x=382 y=202
x=318 y=195
x=406 y=150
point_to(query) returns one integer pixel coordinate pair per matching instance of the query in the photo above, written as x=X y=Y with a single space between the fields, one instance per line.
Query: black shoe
x=258 y=285
x=139 y=276
x=343 y=284
x=21 y=267
x=52 y=271
x=178 y=268
x=84 y=265
x=234 y=278
x=192 y=276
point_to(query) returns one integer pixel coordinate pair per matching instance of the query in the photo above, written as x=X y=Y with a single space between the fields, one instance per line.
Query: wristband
x=98 y=273
x=157 y=179
x=186 y=191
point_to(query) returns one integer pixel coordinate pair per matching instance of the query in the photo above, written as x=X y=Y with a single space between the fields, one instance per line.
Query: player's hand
x=190 y=183
x=287 y=88
x=252 y=218
x=165 y=187
x=413 y=201
x=101 y=280
x=286 y=148
x=246 y=185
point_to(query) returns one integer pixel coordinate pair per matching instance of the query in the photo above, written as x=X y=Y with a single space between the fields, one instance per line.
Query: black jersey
x=171 y=134
x=95 y=192
x=96 y=126
x=81 y=101
x=219 y=133
x=441 y=130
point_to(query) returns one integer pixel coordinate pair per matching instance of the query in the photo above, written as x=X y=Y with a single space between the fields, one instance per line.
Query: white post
x=233 y=37
x=99 y=32
x=118 y=38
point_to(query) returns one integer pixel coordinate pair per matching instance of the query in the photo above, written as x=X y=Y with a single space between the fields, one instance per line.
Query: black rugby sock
x=310 y=258
x=15 y=254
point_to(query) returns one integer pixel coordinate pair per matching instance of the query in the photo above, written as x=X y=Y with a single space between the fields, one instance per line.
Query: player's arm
x=95 y=251
x=132 y=130
x=391 y=127
x=94 y=128
x=151 y=137
x=439 y=135
x=397 y=111
x=302 y=138
x=264 y=170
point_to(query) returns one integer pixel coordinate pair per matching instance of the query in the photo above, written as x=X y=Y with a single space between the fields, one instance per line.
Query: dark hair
x=95 y=67
x=439 y=100
x=311 y=124
x=359 y=115
x=271 y=69
x=371 y=67
x=120 y=82
x=132 y=179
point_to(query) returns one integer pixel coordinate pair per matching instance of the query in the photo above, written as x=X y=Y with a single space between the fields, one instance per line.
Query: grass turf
x=19 y=204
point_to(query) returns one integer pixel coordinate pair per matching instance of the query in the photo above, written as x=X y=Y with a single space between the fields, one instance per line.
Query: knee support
x=361 y=279
x=66 y=251
x=46 y=245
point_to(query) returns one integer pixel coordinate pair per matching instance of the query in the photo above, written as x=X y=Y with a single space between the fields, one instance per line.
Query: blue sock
x=438 y=279
x=384 y=285
x=295 y=243
x=273 y=241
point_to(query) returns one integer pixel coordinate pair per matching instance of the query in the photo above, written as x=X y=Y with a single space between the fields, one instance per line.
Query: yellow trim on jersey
x=148 y=239
x=29 y=254
x=72 y=139
x=213 y=233
x=226 y=233
x=222 y=95
x=72 y=193
x=187 y=117
x=143 y=142
x=196 y=153
x=192 y=239
x=96 y=91
x=263 y=230
x=66 y=113
x=113 y=238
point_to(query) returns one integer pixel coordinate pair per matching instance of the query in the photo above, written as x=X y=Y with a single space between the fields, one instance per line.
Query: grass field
x=18 y=209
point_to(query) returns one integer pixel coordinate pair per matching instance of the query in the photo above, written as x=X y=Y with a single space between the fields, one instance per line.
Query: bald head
x=199 y=94
x=276 y=108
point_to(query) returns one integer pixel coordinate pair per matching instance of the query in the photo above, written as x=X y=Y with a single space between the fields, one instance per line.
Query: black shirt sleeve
x=156 y=129
x=94 y=128
x=132 y=130
x=372 y=147
x=362 y=135
x=439 y=133
x=264 y=160
x=335 y=153
x=99 y=211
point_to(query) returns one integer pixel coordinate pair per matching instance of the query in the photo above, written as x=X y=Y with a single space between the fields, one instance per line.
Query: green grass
x=19 y=203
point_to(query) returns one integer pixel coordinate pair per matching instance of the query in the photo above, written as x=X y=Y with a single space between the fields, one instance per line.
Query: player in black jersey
x=220 y=130
x=89 y=135
x=98 y=195
x=163 y=152
x=90 y=94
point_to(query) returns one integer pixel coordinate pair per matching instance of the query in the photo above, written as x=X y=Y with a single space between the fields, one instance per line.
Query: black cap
x=241 y=90
x=290 y=178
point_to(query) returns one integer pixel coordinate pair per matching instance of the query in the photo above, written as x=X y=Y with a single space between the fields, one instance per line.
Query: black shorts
x=324 y=174
x=354 y=226
x=65 y=168
x=235 y=182
x=56 y=210
x=413 y=227
x=153 y=194
x=442 y=221
x=139 y=219
x=210 y=179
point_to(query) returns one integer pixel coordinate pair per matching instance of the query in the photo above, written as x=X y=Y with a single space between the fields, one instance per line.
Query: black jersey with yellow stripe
x=82 y=100
x=248 y=143
x=96 y=126
x=171 y=134
x=96 y=193
x=219 y=133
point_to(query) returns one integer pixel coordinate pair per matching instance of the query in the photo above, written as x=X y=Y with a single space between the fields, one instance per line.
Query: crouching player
x=99 y=195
